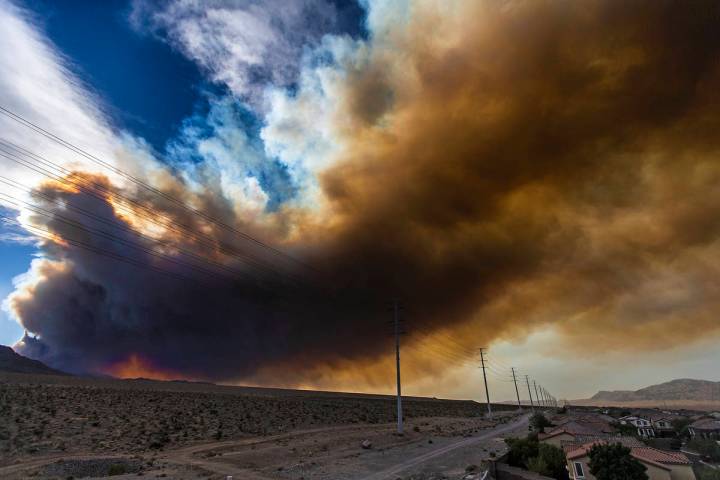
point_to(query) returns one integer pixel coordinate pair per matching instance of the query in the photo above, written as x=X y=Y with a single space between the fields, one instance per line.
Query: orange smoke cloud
x=502 y=167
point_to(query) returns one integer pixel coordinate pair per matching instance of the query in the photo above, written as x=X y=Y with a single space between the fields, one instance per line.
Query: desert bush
x=117 y=469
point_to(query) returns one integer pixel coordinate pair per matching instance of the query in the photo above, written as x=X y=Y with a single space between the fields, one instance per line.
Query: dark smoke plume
x=545 y=164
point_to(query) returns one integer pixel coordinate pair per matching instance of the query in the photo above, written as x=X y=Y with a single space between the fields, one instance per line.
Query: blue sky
x=129 y=72
x=148 y=88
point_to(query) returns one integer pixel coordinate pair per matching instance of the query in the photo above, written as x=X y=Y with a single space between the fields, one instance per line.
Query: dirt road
x=430 y=445
x=499 y=431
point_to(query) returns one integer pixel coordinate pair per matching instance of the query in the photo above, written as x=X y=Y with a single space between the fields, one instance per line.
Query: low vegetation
x=707 y=473
x=537 y=457
x=706 y=447
x=113 y=417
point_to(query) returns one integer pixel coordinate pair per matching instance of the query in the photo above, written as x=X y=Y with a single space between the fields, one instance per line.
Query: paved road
x=392 y=472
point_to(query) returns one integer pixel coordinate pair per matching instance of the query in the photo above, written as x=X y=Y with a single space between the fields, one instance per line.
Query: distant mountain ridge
x=16 y=363
x=680 y=389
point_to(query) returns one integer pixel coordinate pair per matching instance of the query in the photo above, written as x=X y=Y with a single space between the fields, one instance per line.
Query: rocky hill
x=15 y=363
x=681 y=389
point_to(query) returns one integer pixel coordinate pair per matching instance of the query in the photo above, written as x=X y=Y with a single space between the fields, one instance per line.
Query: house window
x=579 y=472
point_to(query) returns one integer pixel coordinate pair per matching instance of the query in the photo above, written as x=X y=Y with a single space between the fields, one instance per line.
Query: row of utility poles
x=543 y=398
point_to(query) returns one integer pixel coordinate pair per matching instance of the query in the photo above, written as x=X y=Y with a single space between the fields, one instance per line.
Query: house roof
x=649 y=455
x=656 y=417
x=706 y=424
x=573 y=428
x=660 y=456
x=580 y=440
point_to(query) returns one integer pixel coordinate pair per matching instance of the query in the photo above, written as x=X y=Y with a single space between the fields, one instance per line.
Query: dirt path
x=186 y=455
x=273 y=458
x=189 y=455
x=413 y=462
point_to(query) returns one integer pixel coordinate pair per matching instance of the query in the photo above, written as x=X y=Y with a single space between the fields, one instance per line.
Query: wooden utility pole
x=532 y=405
x=487 y=392
x=516 y=389
x=397 y=368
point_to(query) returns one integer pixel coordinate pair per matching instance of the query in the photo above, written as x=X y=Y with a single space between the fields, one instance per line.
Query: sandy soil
x=81 y=429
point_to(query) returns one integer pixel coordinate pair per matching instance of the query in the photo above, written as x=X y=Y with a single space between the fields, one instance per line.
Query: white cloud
x=230 y=162
x=304 y=129
x=38 y=85
x=243 y=45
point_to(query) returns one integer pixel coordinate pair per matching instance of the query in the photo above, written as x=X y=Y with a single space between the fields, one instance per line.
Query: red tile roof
x=660 y=456
x=650 y=455
x=580 y=440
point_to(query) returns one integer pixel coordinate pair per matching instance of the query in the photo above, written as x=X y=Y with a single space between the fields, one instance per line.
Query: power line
x=49 y=235
x=111 y=224
x=36 y=128
x=109 y=236
x=176 y=227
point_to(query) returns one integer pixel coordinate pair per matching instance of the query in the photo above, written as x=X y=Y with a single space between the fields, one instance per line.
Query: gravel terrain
x=61 y=427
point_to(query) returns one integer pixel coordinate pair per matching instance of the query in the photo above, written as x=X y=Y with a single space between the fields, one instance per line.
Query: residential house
x=568 y=432
x=643 y=425
x=662 y=425
x=705 y=428
x=660 y=465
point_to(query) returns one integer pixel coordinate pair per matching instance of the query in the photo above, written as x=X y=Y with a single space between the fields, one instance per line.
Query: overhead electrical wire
x=74 y=148
x=92 y=188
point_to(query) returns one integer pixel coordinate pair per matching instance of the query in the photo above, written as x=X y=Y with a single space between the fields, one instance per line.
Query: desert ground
x=70 y=427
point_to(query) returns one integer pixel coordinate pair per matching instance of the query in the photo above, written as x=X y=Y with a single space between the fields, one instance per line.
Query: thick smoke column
x=500 y=166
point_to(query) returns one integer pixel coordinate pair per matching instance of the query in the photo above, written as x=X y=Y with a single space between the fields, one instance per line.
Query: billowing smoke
x=497 y=166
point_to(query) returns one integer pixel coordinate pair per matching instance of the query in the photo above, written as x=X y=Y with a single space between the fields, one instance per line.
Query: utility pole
x=487 y=392
x=516 y=389
x=537 y=397
x=532 y=405
x=397 y=368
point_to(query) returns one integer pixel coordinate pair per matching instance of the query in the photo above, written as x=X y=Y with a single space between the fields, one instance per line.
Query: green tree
x=550 y=462
x=614 y=462
x=521 y=451
x=539 y=422
x=680 y=426
x=627 y=430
